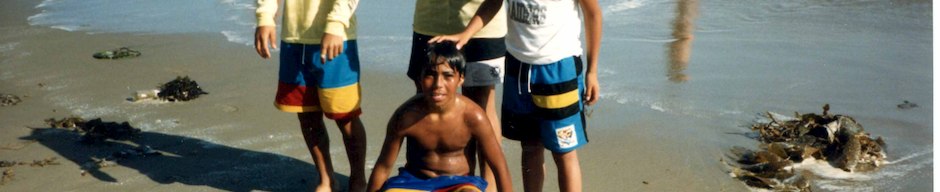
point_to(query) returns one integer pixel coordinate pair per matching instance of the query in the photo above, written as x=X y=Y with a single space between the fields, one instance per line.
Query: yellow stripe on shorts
x=340 y=99
x=295 y=109
x=556 y=101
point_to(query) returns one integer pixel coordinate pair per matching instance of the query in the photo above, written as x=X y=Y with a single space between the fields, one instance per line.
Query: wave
x=886 y=177
x=239 y=37
x=69 y=28
x=7 y=47
x=623 y=5
x=227 y=17
x=45 y=3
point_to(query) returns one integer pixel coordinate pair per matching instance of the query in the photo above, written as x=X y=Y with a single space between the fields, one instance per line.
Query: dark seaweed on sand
x=8 y=100
x=837 y=139
x=180 y=89
x=96 y=130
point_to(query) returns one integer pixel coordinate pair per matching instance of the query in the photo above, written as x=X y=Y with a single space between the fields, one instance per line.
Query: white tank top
x=543 y=31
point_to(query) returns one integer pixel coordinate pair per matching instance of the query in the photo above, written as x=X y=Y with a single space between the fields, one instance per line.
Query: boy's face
x=439 y=83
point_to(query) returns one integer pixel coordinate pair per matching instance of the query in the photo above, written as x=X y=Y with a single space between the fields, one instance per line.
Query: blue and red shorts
x=305 y=84
x=407 y=182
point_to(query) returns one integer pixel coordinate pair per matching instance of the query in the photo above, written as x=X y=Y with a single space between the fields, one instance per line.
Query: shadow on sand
x=188 y=161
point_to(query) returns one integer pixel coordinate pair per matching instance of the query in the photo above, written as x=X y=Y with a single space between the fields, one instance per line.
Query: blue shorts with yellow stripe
x=305 y=84
x=543 y=103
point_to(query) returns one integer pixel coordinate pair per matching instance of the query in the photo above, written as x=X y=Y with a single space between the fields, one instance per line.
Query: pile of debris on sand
x=9 y=100
x=96 y=130
x=35 y=163
x=111 y=160
x=8 y=173
x=180 y=89
x=837 y=139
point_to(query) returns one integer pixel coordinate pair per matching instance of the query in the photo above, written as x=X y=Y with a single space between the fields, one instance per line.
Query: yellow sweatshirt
x=305 y=21
x=444 y=17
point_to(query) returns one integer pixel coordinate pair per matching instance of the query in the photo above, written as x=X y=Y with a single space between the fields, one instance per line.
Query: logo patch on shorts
x=566 y=137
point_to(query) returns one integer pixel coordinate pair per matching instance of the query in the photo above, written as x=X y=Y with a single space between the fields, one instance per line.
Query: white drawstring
x=303 y=54
x=528 y=79
x=519 y=80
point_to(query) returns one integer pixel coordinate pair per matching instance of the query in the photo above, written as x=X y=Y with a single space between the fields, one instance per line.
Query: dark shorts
x=484 y=56
x=543 y=103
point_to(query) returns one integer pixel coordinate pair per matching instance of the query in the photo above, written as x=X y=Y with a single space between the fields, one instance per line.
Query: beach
x=681 y=83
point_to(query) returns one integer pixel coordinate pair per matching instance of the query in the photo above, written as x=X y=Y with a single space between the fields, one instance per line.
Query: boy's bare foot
x=324 y=188
x=327 y=187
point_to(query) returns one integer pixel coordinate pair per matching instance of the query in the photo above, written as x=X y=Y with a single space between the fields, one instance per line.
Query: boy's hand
x=264 y=37
x=459 y=39
x=330 y=47
x=592 y=89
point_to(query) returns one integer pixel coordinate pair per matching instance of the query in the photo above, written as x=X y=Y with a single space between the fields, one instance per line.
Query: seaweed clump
x=96 y=130
x=8 y=173
x=837 y=139
x=9 y=100
x=180 y=89
x=7 y=176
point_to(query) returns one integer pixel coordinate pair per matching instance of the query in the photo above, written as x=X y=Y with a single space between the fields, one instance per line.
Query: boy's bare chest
x=441 y=136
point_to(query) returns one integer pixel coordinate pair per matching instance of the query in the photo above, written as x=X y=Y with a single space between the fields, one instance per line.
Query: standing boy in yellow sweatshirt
x=319 y=75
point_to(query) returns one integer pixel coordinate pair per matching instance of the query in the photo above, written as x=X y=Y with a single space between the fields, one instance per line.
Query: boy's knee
x=570 y=156
x=532 y=146
x=347 y=120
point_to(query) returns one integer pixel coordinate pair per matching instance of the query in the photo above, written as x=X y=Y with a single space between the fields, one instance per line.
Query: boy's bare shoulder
x=471 y=111
x=408 y=112
x=410 y=105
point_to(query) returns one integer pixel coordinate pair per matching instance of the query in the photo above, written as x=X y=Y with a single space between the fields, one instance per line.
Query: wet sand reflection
x=680 y=49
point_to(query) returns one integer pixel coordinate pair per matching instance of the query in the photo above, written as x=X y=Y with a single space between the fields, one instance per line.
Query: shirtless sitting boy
x=438 y=124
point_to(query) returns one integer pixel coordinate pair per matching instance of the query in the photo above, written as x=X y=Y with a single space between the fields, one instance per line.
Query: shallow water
x=863 y=58
x=713 y=64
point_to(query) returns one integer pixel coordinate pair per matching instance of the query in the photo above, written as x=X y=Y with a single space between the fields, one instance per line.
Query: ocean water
x=232 y=18
x=718 y=61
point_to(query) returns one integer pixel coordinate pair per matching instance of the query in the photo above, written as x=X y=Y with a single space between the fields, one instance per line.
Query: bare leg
x=533 y=165
x=569 y=171
x=318 y=142
x=485 y=97
x=354 y=138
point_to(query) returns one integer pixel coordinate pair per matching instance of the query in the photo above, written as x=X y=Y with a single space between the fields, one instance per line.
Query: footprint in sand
x=227 y=108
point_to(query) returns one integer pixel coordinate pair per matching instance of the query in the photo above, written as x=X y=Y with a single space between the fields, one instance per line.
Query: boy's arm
x=484 y=14
x=265 y=33
x=493 y=153
x=384 y=164
x=593 y=20
x=337 y=21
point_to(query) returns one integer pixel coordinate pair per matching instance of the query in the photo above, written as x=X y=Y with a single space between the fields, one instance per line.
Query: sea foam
x=623 y=5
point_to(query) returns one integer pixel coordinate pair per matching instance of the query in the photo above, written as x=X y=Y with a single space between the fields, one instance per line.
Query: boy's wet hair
x=446 y=50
